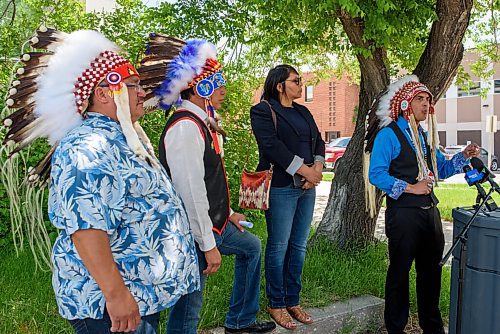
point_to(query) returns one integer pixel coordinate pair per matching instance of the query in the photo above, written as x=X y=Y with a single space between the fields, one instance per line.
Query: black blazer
x=279 y=147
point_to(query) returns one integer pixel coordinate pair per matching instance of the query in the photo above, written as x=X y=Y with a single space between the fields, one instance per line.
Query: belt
x=427 y=207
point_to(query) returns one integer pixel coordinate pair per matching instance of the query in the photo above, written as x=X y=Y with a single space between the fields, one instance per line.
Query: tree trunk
x=345 y=220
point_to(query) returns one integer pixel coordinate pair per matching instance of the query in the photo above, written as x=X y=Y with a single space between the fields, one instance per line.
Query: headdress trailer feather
x=48 y=97
x=394 y=101
x=172 y=65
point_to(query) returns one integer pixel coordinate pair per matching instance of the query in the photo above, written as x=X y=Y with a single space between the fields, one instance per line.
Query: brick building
x=333 y=104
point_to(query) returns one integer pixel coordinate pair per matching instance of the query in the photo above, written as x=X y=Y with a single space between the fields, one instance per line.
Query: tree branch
x=375 y=66
x=444 y=50
x=13 y=3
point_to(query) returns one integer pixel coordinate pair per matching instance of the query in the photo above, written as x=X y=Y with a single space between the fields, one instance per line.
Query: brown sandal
x=282 y=318
x=298 y=313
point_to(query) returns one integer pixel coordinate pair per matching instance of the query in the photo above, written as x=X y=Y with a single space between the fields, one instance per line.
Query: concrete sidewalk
x=356 y=315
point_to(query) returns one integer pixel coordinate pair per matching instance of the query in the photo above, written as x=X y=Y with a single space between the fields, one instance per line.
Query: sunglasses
x=297 y=80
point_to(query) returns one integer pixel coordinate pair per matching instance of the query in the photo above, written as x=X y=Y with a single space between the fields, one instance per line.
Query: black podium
x=480 y=307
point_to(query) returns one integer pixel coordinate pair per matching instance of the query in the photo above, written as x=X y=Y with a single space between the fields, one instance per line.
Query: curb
x=350 y=316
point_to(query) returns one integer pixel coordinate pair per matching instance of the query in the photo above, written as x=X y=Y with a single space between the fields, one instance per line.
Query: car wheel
x=494 y=165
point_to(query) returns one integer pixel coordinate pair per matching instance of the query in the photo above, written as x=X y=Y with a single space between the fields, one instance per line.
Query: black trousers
x=414 y=234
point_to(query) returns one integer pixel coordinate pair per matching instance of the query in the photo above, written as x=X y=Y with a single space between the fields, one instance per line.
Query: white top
x=185 y=147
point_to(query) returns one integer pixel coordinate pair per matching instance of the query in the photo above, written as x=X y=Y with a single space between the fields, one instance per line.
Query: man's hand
x=214 y=261
x=422 y=187
x=93 y=247
x=471 y=150
x=123 y=311
x=235 y=218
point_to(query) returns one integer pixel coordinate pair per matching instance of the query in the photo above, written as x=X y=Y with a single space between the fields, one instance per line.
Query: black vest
x=405 y=168
x=215 y=174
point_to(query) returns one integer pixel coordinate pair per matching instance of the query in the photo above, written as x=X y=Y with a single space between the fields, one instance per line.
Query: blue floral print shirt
x=97 y=182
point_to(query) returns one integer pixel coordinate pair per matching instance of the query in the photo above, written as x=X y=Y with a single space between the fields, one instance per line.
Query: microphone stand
x=462 y=238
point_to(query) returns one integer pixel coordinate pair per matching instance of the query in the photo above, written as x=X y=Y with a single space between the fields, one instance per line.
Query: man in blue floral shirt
x=125 y=250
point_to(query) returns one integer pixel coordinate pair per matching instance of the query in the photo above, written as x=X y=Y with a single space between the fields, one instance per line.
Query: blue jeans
x=149 y=325
x=288 y=223
x=244 y=302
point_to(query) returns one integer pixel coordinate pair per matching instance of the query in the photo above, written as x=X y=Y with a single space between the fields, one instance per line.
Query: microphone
x=474 y=178
x=488 y=175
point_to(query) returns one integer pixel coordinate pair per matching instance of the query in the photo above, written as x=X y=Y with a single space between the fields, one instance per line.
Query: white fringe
x=370 y=190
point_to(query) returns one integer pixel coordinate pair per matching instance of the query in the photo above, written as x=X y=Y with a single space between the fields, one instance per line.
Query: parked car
x=334 y=150
x=483 y=155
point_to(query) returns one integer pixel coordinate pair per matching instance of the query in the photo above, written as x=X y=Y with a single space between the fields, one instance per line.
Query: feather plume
x=21 y=102
x=36 y=58
x=20 y=94
x=18 y=126
x=29 y=73
x=23 y=141
x=47 y=38
x=42 y=169
x=18 y=115
x=384 y=107
x=183 y=69
x=25 y=132
x=55 y=97
x=153 y=77
x=19 y=85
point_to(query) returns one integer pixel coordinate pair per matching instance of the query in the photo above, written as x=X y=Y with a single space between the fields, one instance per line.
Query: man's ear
x=101 y=95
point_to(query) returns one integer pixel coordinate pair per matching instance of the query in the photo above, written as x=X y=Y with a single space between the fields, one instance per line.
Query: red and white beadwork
x=109 y=65
x=403 y=97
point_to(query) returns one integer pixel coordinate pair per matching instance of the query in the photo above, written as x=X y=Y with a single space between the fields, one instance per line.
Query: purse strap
x=273 y=115
x=275 y=122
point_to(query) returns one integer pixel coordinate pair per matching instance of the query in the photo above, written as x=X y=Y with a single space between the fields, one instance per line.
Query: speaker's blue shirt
x=387 y=148
x=97 y=182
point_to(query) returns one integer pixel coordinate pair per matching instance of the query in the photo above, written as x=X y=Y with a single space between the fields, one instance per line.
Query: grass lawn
x=457 y=195
x=28 y=305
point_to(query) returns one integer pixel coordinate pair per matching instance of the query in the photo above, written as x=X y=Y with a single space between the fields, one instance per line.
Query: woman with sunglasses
x=294 y=147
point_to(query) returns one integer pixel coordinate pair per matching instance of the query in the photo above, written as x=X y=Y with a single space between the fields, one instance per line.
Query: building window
x=473 y=90
x=309 y=93
x=496 y=87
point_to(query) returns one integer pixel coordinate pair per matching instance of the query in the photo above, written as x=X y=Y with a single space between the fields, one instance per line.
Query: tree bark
x=345 y=220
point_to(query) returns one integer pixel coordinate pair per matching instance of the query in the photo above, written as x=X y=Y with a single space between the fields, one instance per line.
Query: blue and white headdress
x=185 y=64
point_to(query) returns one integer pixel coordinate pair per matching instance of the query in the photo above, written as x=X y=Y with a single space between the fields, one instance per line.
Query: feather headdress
x=50 y=93
x=48 y=97
x=394 y=101
x=171 y=66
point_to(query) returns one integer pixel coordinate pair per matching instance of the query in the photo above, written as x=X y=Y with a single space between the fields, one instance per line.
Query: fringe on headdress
x=47 y=98
x=387 y=106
